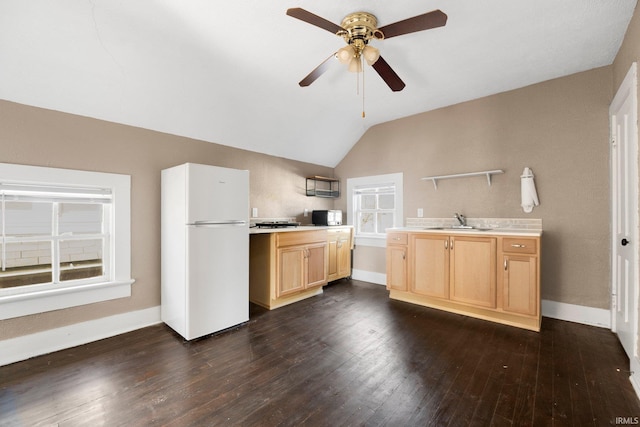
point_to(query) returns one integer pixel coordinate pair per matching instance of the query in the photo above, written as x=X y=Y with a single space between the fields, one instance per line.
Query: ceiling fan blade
x=317 y=72
x=312 y=19
x=388 y=75
x=433 y=19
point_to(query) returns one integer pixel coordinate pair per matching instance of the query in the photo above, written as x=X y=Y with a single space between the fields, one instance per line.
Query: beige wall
x=47 y=138
x=629 y=51
x=557 y=128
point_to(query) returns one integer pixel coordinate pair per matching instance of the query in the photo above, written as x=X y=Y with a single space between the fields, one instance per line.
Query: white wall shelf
x=462 y=175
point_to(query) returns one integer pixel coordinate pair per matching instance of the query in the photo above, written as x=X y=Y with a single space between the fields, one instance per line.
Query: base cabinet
x=459 y=268
x=491 y=277
x=287 y=267
x=473 y=270
x=430 y=265
x=520 y=272
x=300 y=267
x=397 y=261
x=340 y=244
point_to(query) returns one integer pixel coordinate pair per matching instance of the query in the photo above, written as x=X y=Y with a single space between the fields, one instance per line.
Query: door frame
x=627 y=88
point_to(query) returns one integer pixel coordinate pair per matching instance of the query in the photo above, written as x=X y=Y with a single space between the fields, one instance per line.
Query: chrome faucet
x=461 y=219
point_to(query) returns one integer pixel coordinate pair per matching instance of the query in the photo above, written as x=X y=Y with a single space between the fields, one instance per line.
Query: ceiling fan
x=357 y=29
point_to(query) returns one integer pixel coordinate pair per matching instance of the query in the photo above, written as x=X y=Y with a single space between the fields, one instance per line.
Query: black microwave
x=329 y=217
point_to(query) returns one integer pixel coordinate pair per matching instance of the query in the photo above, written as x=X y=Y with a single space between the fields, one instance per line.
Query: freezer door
x=217 y=194
x=217 y=279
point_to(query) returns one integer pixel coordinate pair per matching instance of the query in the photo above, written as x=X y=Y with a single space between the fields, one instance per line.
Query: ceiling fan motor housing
x=359 y=28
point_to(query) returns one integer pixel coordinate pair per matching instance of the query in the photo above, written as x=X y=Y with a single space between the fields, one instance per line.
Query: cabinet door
x=430 y=265
x=397 y=267
x=473 y=270
x=316 y=265
x=520 y=284
x=343 y=255
x=291 y=270
x=332 y=242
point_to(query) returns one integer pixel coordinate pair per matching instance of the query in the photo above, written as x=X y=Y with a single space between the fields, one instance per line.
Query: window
x=64 y=238
x=53 y=234
x=375 y=209
x=374 y=204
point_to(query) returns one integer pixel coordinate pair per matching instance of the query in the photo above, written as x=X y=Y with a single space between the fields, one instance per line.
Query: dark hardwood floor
x=348 y=357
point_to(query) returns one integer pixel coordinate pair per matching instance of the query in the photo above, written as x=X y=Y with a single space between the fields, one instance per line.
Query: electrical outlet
x=420 y=213
x=254 y=212
x=306 y=212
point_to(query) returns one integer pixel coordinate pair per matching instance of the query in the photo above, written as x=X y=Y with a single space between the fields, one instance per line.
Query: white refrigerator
x=204 y=248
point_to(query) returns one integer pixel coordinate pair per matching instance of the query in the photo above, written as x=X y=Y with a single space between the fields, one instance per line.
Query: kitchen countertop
x=256 y=230
x=479 y=232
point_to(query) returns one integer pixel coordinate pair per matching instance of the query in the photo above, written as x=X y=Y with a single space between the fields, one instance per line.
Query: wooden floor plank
x=349 y=356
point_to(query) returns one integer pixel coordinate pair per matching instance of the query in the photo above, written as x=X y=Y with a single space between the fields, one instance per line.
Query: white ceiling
x=228 y=72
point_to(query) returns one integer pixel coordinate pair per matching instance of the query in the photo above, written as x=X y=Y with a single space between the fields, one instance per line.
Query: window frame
x=353 y=184
x=26 y=300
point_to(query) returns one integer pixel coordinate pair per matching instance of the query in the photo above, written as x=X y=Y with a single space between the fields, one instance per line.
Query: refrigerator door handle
x=209 y=223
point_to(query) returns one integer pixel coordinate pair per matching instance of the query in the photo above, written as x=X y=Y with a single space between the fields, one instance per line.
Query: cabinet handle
x=396 y=238
x=451 y=245
x=446 y=244
x=505 y=265
x=404 y=255
x=516 y=245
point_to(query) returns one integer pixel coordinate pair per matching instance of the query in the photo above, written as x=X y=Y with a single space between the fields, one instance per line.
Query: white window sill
x=55 y=299
x=375 y=241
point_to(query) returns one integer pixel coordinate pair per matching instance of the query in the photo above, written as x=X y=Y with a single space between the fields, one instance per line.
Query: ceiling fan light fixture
x=370 y=54
x=355 y=65
x=345 y=54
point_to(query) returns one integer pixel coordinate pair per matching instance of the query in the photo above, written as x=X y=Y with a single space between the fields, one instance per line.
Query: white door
x=624 y=210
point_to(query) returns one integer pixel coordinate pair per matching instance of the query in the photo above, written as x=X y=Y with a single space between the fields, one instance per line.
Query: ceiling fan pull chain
x=357 y=80
x=362 y=62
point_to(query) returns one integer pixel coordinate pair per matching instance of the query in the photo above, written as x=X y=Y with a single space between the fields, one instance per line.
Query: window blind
x=60 y=194
x=384 y=189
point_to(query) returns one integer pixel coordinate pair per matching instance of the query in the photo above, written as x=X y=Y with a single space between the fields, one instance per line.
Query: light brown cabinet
x=491 y=277
x=397 y=261
x=287 y=267
x=519 y=278
x=459 y=268
x=429 y=270
x=340 y=243
x=473 y=270
x=300 y=267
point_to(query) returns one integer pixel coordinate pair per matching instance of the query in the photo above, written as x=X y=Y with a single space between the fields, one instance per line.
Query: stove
x=276 y=224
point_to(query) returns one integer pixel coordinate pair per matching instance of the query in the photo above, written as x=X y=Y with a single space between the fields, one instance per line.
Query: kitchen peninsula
x=290 y=264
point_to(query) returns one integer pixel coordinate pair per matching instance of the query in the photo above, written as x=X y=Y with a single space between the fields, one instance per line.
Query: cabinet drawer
x=341 y=234
x=397 y=238
x=519 y=245
x=300 y=237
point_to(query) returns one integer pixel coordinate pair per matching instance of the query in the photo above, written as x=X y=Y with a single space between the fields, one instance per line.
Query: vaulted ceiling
x=227 y=71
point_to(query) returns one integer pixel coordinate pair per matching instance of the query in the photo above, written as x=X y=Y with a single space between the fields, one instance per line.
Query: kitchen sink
x=458 y=227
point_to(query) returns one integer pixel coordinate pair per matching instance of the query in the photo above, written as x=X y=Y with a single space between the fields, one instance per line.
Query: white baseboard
x=28 y=346
x=369 y=276
x=634 y=377
x=577 y=313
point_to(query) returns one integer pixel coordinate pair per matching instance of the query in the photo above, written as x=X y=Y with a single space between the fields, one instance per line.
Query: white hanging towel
x=528 y=191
